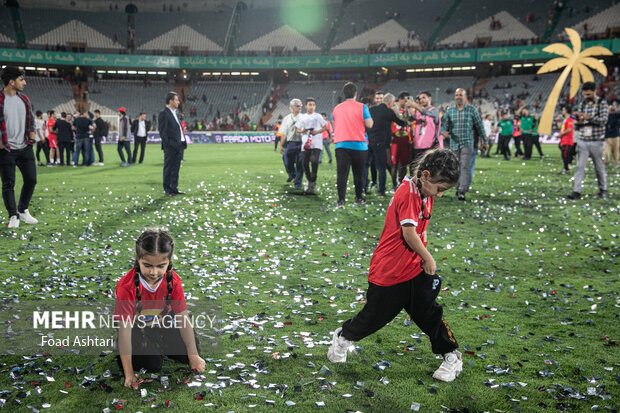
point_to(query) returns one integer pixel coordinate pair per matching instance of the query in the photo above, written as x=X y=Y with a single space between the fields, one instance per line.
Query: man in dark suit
x=139 y=128
x=172 y=142
x=64 y=133
x=380 y=135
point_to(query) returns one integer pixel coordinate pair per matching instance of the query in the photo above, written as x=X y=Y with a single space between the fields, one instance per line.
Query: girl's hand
x=197 y=364
x=131 y=381
x=429 y=266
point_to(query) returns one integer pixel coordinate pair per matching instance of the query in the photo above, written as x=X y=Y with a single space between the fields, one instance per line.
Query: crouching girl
x=151 y=312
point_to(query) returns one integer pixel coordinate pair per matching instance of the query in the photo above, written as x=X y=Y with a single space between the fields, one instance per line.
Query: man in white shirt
x=291 y=140
x=39 y=136
x=139 y=128
x=311 y=125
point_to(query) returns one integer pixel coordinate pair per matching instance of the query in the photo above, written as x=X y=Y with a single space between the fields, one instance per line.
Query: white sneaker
x=14 y=222
x=450 y=368
x=27 y=218
x=337 y=352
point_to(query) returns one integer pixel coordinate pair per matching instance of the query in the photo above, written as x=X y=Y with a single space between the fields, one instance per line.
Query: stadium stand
x=389 y=34
x=362 y=16
x=325 y=93
x=573 y=14
x=78 y=32
x=507 y=88
x=7 y=32
x=37 y=22
x=226 y=97
x=5 y=40
x=600 y=22
x=509 y=29
x=49 y=93
x=182 y=36
x=132 y=94
x=286 y=37
x=212 y=25
x=470 y=12
x=257 y=22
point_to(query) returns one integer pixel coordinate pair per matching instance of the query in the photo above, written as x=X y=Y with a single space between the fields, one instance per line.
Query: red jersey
x=152 y=301
x=51 y=122
x=393 y=262
x=569 y=123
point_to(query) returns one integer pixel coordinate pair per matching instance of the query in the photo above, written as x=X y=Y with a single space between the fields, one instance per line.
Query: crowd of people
x=385 y=135
x=61 y=140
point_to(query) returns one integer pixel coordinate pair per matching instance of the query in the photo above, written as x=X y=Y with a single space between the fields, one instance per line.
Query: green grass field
x=530 y=287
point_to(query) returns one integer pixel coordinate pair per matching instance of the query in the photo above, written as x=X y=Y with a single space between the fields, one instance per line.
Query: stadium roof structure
x=511 y=29
x=600 y=22
x=389 y=33
x=181 y=36
x=284 y=36
x=76 y=31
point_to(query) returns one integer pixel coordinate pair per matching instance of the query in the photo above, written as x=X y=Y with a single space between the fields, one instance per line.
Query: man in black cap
x=17 y=129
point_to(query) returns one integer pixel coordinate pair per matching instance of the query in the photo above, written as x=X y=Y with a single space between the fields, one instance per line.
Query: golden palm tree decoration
x=577 y=61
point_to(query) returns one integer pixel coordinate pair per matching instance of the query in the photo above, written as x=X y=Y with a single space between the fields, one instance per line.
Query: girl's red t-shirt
x=393 y=262
x=152 y=302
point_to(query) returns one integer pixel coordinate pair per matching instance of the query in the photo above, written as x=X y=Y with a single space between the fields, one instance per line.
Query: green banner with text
x=493 y=54
x=88 y=59
x=423 y=58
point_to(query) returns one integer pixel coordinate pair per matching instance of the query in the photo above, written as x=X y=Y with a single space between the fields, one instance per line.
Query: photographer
x=590 y=130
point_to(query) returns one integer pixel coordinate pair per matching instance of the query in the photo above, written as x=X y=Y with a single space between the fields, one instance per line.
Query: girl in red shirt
x=567 y=143
x=402 y=271
x=157 y=308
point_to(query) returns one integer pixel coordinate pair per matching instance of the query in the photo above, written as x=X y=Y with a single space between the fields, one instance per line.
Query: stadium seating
x=364 y=15
x=37 y=22
x=132 y=94
x=227 y=97
x=390 y=33
x=212 y=25
x=76 y=31
x=181 y=36
x=7 y=32
x=600 y=22
x=257 y=22
x=511 y=29
x=325 y=93
x=579 y=15
x=49 y=93
x=471 y=12
x=284 y=36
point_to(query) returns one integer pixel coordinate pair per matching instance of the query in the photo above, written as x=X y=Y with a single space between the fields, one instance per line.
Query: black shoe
x=574 y=195
x=360 y=201
x=381 y=195
x=340 y=204
x=330 y=161
x=178 y=193
x=290 y=178
x=170 y=194
x=460 y=197
x=602 y=195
